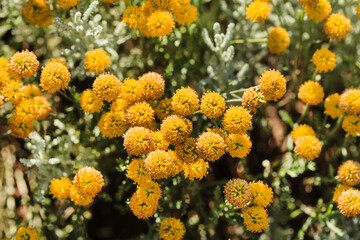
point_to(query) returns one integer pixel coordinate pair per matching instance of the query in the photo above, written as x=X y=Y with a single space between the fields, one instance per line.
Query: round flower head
x=27 y=233
x=351 y=125
x=31 y=91
x=149 y=191
x=332 y=106
x=158 y=141
x=79 y=199
x=255 y=219
x=141 y=208
x=160 y=23
x=112 y=124
x=272 y=85
x=178 y=164
x=88 y=181
x=185 y=14
x=358 y=11
x=24 y=64
x=42 y=107
x=319 y=11
x=186 y=151
x=137 y=141
x=176 y=129
x=140 y=114
x=311 y=93
x=185 y=101
x=350 y=101
x=153 y=85
x=37 y=12
x=67 y=3
x=339 y=190
x=25 y=110
x=119 y=105
x=97 y=60
x=159 y=164
x=238 y=192
x=171 y=229
x=131 y=90
x=252 y=99
x=308 y=147
x=210 y=146
x=164 y=109
x=302 y=130
x=60 y=188
x=263 y=194
x=238 y=145
x=54 y=76
x=278 y=40
x=337 y=26
x=258 y=11
x=13 y=92
x=236 y=120
x=212 y=105
x=89 y=102
x=195 y=170
x=349 y=203
x=20 y=128
x=137 y=172
x=107 y=87
x=132 y=16
x=324 y=60
x=349 y=173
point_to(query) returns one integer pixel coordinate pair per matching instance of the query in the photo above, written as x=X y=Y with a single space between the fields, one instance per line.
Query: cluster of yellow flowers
x=86 y=185
x=27 y=233
x=156 y=18
x=253 y=198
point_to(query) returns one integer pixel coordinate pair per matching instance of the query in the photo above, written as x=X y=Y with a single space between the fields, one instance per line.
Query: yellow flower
x=185 y=101
x=210 y=146
x=27 y=233
x=302 y=130
x=185 y=14
x=176 y=129
x=195 y=170
x=255 y=219
x=160 y=23
x=278 y=40
x=54 y=76
x=252 y=99
x=153 y=85
x=178 y=164
x=238 y=192
x=236 y=119
x=13 y=91
x=349 y=203
x=31 y=91
x=164 y=109
x=186 y=151
x=60 y=188
x=107 y=87
x=137 y=141
x=337 y=26
x=37 y=12
x=67 y=3
x=318 y=11
x=25 y=110
x=112 y=124
x=258 y=11
x=350 y=101
x=332 y=106
x=24 y=64
x=158 y=141
x=19 y=127
x=262 y=193
x=238 y=145
x=89 y=102
x=272 y=85
x=88 y=181
x=137 y=172
x=171 y=229
x=140 y=114
x=79 y=199
x=311 y=93
x=119 y=105
x=42 y=107
x=324 y=60
x=212 y=105
x=131 y=90
x=149 y=191
x=159 y=164
x=141 y=208
x=339 y=190
x=349 y=173
x=351 y=125
x=132 y=16
x=308 y=147
x=97 y=61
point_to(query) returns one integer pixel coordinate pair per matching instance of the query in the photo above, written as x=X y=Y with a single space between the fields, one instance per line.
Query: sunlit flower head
x=131 y=90
x=171 y=229
x=186 y=151
x=256 y=219
x=141 y=208
x=252 y=99
x=88 y=181
x=212 y=105
x=37 y=12
x=311 y=93
x=163 y=109
x=140 y=114
x=185 y=14
x=238 y=192
x=159 y=164
x=149 y=191
x=90 y=102
x=158 y=141
x=332 y=106
x=272 y=85
x=258 y=11
x=132 y=16
x=176 y=129
x=24 y=64
x=42 y=107
x=302 y=130
x=210 y=146
x=119 y=105
x=20 y=128
x=31 y=91
x=137 y=172
x=324 y=60
x=153 y=85
x=60 y=188
x=185 y=101
x=107 y=87
x=160 y=23
x=308 y=147
x=236 y=119
x=263 y=194
x=54 y=76
x=278 y=40
x=238 y=145
x=350 y=101
x=339 y=190
x=137 y=141
x=25 y=110
x=351 y=125
x=79 y=199
x=349 y=173
x=12 y=91
x=349 y=203
x=195 y=170
x=113 y=124
x=318 y=11
x=337 y=26
x=97 y=61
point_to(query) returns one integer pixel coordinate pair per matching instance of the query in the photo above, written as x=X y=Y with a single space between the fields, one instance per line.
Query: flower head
x=272 y=85
x=238 y=192
x=278 y=40
x=308 y=147
x=20 y=128
x=171 y=229
x=77 y=198
x=252 y=99
x=13 y=91
x=132 y=16
x=131 y=90
x=349 y=173
x=107 y=87
x=90 y=102
x=24 y=64
x=159 y=164
x=324 y=60
x=153 y=85
x=54 y=76
x=27 y=233
x=119 y=105
x=195 y=170
x=262 y=193
x=113 y=124
x=60 y=188
x=332 y=106
x=236 y=119
x=25 y=110
x=186 y=151
x=302 y=130
x=212 y=105
x=349 y=203
x=160 y=23
x=350 y=101
x=37 y=12
x=351 y=125
x=137 y=172
x=140 y=114
x=141 y=208
x=339 y=190
x=149 y=191
x=318 y=11
x=210 y=146
x=238 y=145
x=88 y=181
x=137 y=141
x=42 y=107
x=31 y=91
x=185 y=101
x=337 y=26
x=164 y=109
x=255 y=219
x=186 y=14
x=97 y=60
x=176 y=129
x=311 y=93
x=258 y=11
x=158 y=141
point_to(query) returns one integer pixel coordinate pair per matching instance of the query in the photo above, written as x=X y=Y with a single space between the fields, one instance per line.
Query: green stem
x=314 y=75
x=234 y=100
x=278 y=14
x=306 y=109
x=251 y=40
x=334 y=130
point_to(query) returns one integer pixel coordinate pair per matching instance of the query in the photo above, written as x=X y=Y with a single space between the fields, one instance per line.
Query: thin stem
x=334 y=130
x=66 y=96
x=251 y=40
x=306 y=109
x=314 y=75
x=278 y=14
x=234 y=100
